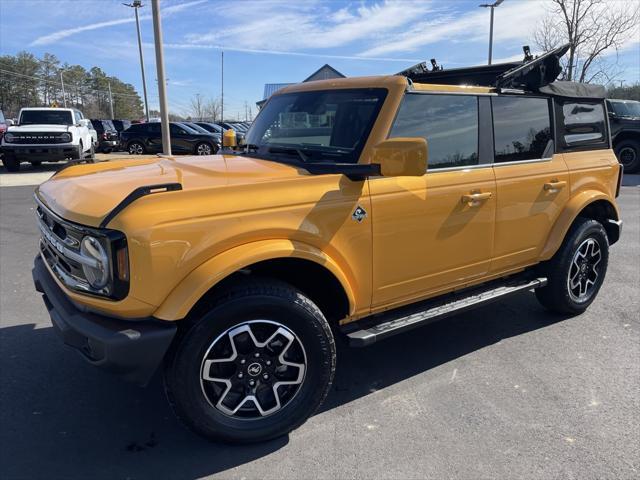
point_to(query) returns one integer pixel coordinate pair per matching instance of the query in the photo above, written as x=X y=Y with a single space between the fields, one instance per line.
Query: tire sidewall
x=184 y=377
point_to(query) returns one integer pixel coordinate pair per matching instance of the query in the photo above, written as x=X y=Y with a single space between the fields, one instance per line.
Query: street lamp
x=491 y=6
x=136 y=5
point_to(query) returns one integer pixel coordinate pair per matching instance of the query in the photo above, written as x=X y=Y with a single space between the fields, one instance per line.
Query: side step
x=372 y=329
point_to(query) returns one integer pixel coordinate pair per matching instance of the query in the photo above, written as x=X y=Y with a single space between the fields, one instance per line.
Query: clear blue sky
x=269 y=41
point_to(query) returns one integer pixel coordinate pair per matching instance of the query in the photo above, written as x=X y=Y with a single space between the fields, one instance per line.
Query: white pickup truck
x=48 y=134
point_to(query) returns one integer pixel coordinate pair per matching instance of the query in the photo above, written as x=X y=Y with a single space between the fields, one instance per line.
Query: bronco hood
x=86 y=194
x=38 y=128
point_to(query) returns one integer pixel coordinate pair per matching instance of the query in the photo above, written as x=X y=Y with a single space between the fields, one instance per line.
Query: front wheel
x=576 y=272
x=254 y=367
x=203 y=149
x=11 y=163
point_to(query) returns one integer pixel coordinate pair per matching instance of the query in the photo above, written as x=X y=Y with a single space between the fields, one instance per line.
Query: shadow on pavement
x=62 y=418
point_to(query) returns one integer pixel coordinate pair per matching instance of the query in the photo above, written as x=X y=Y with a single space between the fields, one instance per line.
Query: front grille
x=60 y=247
x=38 y=138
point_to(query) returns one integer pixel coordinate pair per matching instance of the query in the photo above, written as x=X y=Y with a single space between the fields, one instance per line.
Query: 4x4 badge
x=359 y=214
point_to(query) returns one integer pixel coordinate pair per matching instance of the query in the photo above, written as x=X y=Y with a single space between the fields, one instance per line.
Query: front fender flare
x=192 y=288
x=570 y=212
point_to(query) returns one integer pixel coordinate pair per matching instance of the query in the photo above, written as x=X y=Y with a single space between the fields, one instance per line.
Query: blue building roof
x=323 y=73
x=271 y=88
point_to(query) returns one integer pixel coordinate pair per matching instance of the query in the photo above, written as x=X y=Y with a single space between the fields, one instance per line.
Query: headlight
x=98 y=277
x=65 y=137
x=9 y=137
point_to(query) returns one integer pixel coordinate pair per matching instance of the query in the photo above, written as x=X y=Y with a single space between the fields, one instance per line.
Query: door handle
x=554 y=186
x=474 y=199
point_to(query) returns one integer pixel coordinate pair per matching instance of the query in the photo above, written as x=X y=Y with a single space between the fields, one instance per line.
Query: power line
x=53 y=82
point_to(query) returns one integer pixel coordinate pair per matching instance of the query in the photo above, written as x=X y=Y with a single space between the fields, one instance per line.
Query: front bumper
x=41 y=152
x=132 y=349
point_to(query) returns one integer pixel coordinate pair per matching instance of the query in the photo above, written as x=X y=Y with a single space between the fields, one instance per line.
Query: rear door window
x=521 y=128
x=449 y=123
x=582 y=124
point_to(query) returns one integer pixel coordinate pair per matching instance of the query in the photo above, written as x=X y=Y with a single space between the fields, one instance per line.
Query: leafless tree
x=197 y=107
x=212 y=109
x=593 y=28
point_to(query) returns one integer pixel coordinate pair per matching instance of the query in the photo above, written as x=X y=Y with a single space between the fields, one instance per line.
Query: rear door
x=532 y=180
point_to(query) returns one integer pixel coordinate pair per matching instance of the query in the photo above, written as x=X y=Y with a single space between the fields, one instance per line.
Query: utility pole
x=222 y=83
x=64 y=97
x=110 y=101
x=136 y=5
x=491 y=6
x=162 y=87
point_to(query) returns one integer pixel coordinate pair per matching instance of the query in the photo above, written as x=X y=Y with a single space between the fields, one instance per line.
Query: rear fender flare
x=571 y=211
x=197 y=283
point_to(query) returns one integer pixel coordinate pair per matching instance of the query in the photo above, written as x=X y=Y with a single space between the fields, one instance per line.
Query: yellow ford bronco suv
x=359 y=208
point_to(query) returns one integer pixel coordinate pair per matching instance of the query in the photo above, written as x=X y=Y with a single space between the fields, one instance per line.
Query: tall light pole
x=491 y=6
x=222 y=86
x=162 y=87
x=136 y=5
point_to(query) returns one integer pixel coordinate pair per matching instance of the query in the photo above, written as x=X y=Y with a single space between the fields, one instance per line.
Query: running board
x=372 y=329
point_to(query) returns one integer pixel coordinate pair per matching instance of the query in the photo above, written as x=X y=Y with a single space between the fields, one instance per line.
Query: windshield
x=627 y=109
x=197 y=128
x=327 y=125
x=46 y=117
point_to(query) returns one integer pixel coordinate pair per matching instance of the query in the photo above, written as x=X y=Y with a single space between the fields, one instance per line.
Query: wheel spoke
x=258 y=378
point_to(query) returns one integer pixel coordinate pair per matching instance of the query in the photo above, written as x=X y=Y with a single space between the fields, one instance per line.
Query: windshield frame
x=317 y=153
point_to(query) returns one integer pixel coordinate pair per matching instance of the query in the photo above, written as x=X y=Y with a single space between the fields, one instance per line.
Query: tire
x=80 y=153
x=213 y=409
x=572 y=287
x=203 y=148
x=90 y=156
x=136 y=148
x=11 y=163
x=628 y=153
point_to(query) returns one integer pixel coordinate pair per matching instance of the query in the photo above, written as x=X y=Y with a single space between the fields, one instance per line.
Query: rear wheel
x=135 y=148
x=628 y=153
x=11 y=163
x=254 y=367
x=576 y=272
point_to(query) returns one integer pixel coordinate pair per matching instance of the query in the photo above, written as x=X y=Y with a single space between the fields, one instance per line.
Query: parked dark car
x=201 y=129
x=107 y=135
x=624 y=119
x=143 y=138
x=211 y=127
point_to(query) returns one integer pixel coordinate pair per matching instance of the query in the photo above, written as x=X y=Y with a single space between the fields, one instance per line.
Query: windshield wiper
x=290 y=150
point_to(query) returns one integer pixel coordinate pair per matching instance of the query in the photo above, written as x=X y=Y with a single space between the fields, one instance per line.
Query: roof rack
x=529 y=74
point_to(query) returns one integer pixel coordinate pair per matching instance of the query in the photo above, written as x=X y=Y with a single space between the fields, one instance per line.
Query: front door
x=434 y=232
x=532 y=181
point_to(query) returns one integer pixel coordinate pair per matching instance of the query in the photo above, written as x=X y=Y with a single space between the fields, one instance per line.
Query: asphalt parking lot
x=506 y=391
